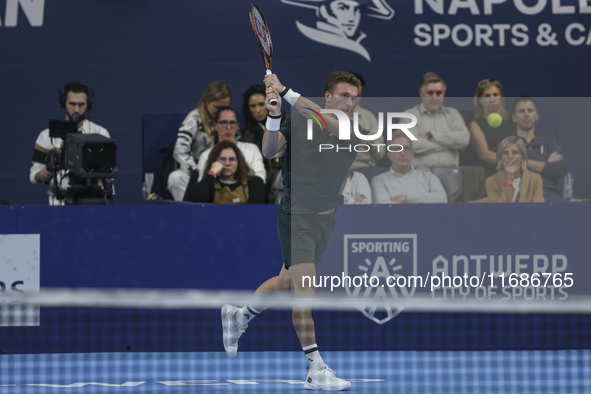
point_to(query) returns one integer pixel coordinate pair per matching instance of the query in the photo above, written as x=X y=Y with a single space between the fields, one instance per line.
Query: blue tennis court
x=438 y=372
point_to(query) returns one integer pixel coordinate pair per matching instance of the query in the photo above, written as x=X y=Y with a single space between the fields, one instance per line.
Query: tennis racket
x=263 y=37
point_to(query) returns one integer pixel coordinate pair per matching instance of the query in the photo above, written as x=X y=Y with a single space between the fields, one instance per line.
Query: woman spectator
x=484 y=138
x=196 y=135
x=513 y=182
x=226 y=125
x=357 y=189
x=255 y=114
x=226 y=180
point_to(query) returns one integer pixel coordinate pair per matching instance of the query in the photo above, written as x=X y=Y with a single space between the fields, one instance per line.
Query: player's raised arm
x=273 y=141
x=300 y=103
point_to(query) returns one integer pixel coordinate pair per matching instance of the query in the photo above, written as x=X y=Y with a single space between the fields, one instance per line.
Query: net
x=154 y=341
x=260 y=31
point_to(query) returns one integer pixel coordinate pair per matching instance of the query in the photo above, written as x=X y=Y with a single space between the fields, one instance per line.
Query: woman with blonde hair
x=513 y=182
x=484 y=137
x=196 y=135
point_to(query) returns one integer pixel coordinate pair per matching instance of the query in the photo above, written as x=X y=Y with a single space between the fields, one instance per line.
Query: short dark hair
x=359 y=77
x=337 y=77
x=432 y=77
x=524 y=99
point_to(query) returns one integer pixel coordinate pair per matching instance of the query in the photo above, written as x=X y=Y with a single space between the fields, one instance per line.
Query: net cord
x=195 y=299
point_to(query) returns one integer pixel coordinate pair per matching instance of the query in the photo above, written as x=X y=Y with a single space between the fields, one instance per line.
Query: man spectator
x=369 y=124
x=544 y=155
x=402 y=183
x=226 y=127
x=440 y=130
x=76 y=98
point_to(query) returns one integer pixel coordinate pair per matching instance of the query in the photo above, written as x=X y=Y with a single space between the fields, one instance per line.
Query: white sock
x=246 y=314
x=313 y=356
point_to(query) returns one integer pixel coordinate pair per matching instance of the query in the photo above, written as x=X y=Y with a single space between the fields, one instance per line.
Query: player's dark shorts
x=304 y=237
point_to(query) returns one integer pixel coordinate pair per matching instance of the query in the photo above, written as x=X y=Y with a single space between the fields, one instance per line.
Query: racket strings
x=261 y=31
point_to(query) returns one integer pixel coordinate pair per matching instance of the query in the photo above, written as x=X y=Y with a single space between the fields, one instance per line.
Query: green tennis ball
x=494 y=120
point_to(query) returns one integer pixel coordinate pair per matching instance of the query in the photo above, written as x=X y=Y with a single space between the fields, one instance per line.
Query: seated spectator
x=513 y=182
x=402 y=183
x=544 y=155
x=440 y=130
x=255 y=113
x=368 y=124
x=485 y=139
x=196 y=135
x=357 y=190
x=226 y=180
x=226 y=127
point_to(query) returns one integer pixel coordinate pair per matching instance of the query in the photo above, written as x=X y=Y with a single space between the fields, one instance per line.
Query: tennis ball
x=494 y=120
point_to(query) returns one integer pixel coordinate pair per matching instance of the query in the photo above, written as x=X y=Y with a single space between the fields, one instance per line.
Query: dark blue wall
x=236 y=247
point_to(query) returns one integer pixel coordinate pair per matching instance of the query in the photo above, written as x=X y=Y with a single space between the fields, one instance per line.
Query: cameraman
x=76 y=98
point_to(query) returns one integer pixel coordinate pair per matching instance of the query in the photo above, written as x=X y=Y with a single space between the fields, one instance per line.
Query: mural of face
x=345 y=16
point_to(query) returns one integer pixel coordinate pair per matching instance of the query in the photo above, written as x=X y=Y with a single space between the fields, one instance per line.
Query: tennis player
x=306 y=219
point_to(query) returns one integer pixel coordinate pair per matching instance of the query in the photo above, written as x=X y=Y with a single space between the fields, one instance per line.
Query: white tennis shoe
x=232 y=330
x=325 y=379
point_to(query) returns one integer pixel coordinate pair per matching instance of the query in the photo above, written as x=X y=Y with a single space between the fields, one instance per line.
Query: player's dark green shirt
x=312 y=179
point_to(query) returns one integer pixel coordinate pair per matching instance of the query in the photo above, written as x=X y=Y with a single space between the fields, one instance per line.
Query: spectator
x=255 y=113
x=485 y=139
x=227 y=180
x=402 y=183
x=196 y=135
x=368 y=125
x=440 y=130
x=357 y=189
x=226 y=127
x=513 y=182
x=544 y=154
x=77 y=99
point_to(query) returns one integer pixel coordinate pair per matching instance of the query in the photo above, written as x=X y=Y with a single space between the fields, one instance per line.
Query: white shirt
x=252 y=156
x=357 y=186
x=45 y=143
x=450 y=135
x=418 y=186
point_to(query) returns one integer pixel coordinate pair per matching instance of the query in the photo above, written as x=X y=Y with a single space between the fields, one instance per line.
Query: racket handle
x=272 y=101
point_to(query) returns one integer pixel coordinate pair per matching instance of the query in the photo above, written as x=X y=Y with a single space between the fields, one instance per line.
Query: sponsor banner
x=19 y=273
x=359 y=26
x=450 y=258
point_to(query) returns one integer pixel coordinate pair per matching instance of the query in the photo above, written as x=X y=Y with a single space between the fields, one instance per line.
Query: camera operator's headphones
x=77 y=86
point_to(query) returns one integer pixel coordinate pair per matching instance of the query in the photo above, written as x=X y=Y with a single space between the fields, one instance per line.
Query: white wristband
x=291 y=96
x=273 y=124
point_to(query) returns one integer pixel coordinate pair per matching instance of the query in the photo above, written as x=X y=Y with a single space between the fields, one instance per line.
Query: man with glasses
x=226 y=126
x=441 y=130
x=402 y=183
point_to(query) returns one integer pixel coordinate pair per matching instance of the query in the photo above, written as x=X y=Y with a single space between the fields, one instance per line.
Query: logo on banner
x=392 y=123
x=33 y=10
x=19 y=273
x=338 y=20
x=380 y=259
